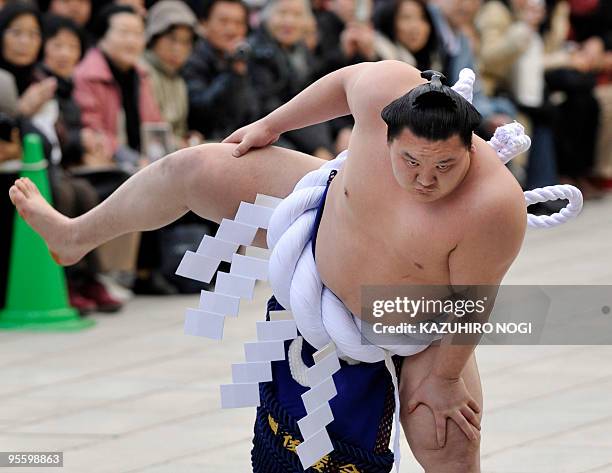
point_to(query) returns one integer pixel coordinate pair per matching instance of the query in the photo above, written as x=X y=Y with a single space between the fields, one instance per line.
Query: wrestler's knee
x=458 y=454
x=186 y=161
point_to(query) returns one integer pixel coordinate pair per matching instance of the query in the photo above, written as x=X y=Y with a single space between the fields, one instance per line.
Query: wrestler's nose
x=426 y=179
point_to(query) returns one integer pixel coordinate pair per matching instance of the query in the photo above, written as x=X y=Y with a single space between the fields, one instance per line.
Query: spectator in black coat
x=282 y=66
x=63 y=49
x=221 y=97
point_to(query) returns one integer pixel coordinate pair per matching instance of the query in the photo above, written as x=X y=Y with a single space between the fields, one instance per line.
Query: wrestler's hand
x=447 y=398
x=255 y=135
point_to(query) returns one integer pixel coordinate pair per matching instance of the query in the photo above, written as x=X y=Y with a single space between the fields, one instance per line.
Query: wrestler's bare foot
x=55 y=228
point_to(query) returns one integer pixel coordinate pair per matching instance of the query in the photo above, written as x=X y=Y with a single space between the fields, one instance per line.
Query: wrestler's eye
x=442 y=167
x=412 y=162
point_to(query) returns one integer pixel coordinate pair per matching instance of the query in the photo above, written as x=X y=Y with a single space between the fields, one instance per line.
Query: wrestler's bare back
x=375 y=232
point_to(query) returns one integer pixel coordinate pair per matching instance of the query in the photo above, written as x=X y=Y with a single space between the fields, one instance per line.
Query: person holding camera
x=221 y=96
x=282 y=66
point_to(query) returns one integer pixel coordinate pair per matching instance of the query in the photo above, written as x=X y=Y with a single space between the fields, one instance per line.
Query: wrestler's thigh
x=215 y=182
x=419 y=426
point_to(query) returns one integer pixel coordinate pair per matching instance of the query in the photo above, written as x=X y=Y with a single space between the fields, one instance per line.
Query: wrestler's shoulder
x=397 y=73
x=376 y=84
x=501 y=202
x=498 y=195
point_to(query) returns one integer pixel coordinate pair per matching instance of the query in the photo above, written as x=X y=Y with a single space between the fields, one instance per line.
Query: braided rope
x=548 y=193
x=508 y=142
x=465 y=84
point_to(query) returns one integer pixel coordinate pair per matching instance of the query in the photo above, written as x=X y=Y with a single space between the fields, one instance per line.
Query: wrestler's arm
x=483 y=257
x=323 y=100
x=362 y=90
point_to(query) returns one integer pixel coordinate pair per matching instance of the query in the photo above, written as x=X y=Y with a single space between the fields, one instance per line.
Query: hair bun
x=434 y=94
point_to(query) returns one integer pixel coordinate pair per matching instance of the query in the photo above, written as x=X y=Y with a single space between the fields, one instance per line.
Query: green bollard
x=36 y=293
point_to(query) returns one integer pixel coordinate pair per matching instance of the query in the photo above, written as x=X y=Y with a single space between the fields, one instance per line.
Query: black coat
x=220 y=100
x=277 y=80
x=69 y=125
x=274 y=77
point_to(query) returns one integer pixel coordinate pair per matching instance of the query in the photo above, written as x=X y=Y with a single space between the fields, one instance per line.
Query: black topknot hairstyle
x=433 y=111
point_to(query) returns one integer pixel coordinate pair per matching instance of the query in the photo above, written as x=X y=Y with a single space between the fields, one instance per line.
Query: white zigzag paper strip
x=316 y=401
x=315 y=421
x=249 y=267
x=318 y=395
x=313 y=449
x=267 y=201
x=239 y=395
x=230 y=287
x=236 y=232
x=217 y=249
x=198 y=267
x=276 y=330
x=219 y=303
x=324 y=352
x=200 y=323
x=255 y=215
x=323 y=369
x=253 y=372
x=234 y=285
x=265 y=351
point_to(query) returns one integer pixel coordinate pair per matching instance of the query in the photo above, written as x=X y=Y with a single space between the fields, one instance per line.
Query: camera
x=241 y=53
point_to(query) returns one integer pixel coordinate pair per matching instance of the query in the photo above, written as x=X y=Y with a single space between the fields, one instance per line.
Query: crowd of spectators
x=111 y=86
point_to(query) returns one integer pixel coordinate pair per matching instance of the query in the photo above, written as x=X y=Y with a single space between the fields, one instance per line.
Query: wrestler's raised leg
x=205 y=179
x=459 y=453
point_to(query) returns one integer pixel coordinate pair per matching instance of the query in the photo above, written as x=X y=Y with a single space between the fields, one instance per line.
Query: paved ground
x=134 y=394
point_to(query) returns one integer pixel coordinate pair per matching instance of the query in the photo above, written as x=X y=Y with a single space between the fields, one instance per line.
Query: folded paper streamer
x=208 y=321
x=313 y=427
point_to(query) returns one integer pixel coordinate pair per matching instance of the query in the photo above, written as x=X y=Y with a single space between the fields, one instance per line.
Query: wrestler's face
x=428 y=170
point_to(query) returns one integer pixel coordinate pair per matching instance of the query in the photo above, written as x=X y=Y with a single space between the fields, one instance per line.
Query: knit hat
x=167 y=14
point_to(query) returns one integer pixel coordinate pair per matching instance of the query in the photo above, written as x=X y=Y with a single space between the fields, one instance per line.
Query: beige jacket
x=503 y=41
x=170 y=92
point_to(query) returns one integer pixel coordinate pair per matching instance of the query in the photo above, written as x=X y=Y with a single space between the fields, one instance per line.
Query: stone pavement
x=134 y=394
